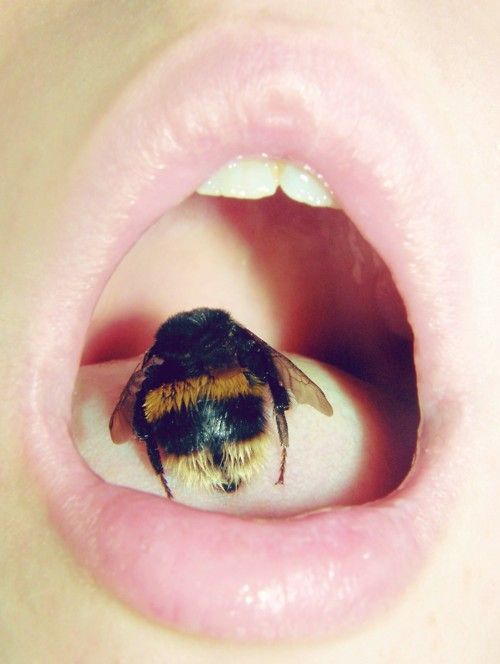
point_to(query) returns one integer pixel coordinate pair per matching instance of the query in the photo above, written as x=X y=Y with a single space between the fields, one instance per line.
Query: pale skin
x=62 y=64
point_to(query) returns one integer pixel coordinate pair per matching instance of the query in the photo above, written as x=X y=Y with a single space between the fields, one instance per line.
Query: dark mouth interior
x=303 y=276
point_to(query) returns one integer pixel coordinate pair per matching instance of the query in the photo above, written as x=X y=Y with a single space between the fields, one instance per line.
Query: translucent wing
x=300 y=385
x=120 y=422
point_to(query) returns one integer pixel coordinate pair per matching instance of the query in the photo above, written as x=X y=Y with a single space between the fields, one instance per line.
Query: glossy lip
x=337 y=105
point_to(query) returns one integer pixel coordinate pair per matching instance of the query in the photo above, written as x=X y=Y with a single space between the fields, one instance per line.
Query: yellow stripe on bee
x=196 y=470
x=185 y=393
x=241 y=462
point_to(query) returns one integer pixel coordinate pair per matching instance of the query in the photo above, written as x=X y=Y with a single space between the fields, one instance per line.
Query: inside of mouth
x=306 y=281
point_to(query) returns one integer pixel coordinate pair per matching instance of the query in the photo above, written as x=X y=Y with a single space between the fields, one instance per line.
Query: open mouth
x=304 y=277
x=356 y=283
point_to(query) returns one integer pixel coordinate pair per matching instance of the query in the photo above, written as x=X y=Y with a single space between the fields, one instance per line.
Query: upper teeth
x=257 y=177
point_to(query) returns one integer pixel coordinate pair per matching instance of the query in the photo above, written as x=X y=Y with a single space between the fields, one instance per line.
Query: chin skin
x=61 y=74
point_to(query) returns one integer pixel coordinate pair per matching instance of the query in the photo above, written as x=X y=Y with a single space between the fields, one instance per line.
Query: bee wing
x=120 y=422
x=300 y=385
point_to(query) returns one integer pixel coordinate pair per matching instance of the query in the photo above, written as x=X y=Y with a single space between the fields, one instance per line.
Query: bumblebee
x=200 y=395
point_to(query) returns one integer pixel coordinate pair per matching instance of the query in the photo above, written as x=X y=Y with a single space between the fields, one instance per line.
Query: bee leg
x=155 y=459
x=279 y=414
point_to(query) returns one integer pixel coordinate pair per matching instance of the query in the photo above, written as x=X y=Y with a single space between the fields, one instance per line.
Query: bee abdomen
x=181 y=395
x=212 y=428
x=211 y=424
x=238 y=464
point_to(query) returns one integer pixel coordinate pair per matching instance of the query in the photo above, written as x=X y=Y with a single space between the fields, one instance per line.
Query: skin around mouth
x=290 y=578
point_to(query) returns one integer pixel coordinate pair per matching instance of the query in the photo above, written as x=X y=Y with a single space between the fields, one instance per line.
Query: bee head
x=200 y=333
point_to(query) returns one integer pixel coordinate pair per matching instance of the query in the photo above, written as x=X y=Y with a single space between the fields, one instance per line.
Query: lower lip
x=211 y=573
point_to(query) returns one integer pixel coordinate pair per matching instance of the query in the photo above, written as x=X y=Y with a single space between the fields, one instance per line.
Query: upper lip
x=336 y=105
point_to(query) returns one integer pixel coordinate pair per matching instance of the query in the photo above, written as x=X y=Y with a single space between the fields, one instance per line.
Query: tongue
x=359 y=454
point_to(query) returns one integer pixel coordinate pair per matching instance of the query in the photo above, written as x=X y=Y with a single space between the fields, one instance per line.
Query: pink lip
x=334 y=104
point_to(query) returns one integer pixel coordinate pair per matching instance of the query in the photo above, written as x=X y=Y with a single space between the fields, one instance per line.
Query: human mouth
x=303 y=101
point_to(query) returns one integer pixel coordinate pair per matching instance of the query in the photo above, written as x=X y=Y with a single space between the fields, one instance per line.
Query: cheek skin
x=450 y=614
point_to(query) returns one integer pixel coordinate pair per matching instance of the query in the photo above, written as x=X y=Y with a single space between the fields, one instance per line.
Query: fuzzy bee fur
x=199 y=400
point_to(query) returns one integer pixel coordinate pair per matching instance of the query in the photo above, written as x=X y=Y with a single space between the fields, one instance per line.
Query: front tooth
x=243 y=178
x=303 y=186
x=260 y=177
